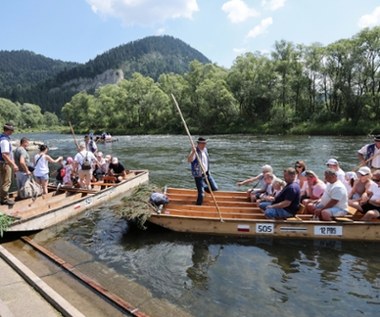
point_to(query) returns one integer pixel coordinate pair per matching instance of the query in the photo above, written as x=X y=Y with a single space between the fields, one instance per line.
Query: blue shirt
x=292 y=193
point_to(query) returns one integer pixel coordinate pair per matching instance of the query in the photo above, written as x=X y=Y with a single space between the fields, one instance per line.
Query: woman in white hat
x=358 y=195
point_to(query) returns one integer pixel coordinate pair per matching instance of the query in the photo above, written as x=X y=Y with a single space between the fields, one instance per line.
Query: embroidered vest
x=370 y=153
x=196 y=169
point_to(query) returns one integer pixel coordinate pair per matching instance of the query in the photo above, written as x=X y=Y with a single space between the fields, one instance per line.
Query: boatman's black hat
x=9 y=126
x=202 y=140
x=376 y=138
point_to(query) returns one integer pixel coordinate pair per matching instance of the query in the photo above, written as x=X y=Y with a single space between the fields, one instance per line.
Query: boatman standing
x=201 y=169
x=369 y=154
x=6 y=164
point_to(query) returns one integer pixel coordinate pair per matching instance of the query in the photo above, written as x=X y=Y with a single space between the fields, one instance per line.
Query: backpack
x=86 y=165
x=30 y=189
x=158 y=199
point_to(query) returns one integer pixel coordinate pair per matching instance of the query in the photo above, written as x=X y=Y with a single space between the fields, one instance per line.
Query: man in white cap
x=6 y=164
x=117 y=169
x=334 y=165
x=369 y=154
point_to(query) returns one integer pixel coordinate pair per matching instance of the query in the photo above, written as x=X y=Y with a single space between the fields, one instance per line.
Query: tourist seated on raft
x=350 y=178
x=300 y=167
x=260 y=187
x=334 y=201
x=334 y=165
x=117 y=170
x=370 y=201
x=266 y=198
x=314 y=188
x=361 y=186
x=268 y=188
x=287 y=202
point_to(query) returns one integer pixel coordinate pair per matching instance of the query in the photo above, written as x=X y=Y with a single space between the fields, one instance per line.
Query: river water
x=219 y=276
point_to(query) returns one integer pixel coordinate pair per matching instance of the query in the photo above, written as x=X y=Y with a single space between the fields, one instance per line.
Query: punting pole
x=72 y=132
x=198 y=158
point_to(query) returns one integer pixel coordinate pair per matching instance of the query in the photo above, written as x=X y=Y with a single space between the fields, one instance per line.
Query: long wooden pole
x=72 y=132
x=198 y=158
x=366 y=161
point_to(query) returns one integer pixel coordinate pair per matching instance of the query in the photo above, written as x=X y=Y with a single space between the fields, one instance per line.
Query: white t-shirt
x=338 y=192
x=41 y=167
x=375 y=190
x=5 y=147
x=80 y=156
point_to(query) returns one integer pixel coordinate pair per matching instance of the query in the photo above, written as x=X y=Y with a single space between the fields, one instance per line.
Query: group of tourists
x=87 y=166
x=301 y=190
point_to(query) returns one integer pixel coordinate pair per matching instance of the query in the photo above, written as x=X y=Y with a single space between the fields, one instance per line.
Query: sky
x=79 y=30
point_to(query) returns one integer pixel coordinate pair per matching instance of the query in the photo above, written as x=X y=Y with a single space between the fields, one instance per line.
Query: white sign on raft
x=265 y=228
x=328 y=230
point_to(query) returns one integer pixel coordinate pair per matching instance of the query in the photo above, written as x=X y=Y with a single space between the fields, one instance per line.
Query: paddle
x=198 y=158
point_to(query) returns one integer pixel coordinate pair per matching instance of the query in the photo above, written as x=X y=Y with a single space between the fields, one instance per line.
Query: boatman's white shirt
x=375 y=163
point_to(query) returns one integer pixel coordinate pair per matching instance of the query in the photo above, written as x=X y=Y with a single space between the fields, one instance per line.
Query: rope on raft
x=136 y=206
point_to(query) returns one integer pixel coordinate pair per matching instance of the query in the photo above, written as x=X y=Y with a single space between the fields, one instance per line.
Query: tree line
x=315 y=89
x=27 y=116
x=296 y=89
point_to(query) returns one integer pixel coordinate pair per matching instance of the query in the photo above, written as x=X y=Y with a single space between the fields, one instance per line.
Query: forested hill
x=59 y=81
x=23 y=68
x=151 y=56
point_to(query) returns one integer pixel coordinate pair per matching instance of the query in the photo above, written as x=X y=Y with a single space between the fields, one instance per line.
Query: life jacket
x=196 y=169
x=370 y=153
x=5 y=137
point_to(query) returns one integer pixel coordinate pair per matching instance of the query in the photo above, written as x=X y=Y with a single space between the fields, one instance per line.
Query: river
x=219 y=276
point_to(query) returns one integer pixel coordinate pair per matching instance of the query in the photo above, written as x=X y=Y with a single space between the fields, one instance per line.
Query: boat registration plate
x=265 y=228
x=328 y=230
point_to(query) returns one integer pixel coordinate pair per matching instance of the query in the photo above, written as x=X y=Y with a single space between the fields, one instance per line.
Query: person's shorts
x=334 y=211
x=42 y=178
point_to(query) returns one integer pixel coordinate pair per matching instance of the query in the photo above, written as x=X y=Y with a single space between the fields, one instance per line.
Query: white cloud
x=261 y=28
x=370 y=20
x=160 y=31
x=237 y=11
x=144 y=12
x=273 y=5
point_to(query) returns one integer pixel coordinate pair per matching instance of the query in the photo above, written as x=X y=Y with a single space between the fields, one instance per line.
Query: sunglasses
x=298 y=166
x=376 y=180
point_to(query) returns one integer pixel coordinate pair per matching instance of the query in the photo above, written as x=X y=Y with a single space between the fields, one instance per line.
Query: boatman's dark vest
x=370 y=153
x=5 y=137
x=196 y=168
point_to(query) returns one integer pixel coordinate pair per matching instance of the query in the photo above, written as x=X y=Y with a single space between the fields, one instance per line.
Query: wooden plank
x=183 y=191
x=215 y=215
x=36 y=210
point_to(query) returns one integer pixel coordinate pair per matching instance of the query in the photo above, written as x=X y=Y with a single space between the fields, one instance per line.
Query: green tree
x=31 y=116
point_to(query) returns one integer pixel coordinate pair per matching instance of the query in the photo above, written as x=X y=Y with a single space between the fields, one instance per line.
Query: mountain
x=58 y=81
x=24 y=68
